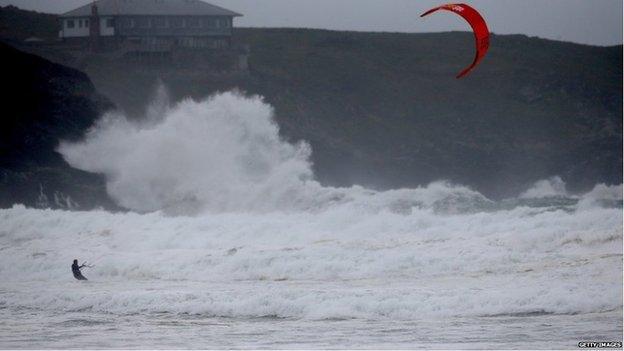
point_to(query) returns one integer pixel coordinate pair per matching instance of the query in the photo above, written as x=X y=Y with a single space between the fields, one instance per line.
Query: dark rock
x=43 y=103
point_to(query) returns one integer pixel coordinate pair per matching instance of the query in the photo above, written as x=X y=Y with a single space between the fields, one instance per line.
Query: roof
x=152 y=8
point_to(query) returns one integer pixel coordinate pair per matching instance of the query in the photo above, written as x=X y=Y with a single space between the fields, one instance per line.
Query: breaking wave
x=229 y=221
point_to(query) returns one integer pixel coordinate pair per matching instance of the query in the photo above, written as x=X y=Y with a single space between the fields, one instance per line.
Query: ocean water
x=231 y=243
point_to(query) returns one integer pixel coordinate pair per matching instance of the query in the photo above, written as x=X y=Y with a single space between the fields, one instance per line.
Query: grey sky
x=597 y=22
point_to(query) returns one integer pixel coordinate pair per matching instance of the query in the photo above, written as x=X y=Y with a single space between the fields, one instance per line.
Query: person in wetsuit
x=76 y=270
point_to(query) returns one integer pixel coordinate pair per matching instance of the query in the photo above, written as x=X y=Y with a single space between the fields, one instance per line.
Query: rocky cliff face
x=42 y=103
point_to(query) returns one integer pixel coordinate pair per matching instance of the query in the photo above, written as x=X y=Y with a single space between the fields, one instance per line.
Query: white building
x=187 y=23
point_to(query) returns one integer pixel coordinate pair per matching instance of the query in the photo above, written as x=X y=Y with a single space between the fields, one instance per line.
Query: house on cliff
x=149 y=25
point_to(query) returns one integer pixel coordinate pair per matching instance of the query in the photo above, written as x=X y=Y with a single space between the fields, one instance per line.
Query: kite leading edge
x=479 y=27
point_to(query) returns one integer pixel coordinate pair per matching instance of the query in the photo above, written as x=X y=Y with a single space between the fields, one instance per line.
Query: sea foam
x=227 y=220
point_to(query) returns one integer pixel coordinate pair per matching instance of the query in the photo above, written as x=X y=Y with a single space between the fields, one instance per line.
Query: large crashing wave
x=222 y=154
x=268 y=240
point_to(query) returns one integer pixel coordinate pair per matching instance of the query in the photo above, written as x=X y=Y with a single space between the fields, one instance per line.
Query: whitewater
x=230 y=242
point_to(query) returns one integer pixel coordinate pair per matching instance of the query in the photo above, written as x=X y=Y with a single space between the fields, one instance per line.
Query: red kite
x=480 y=28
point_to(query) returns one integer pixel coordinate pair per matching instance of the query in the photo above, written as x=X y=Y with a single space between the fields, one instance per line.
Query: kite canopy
x=480 y=28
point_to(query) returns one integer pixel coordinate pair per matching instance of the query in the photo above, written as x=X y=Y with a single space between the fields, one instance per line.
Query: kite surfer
x=76 y=270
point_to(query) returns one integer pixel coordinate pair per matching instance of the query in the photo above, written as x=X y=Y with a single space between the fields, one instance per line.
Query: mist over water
x=228 y=221
x=221 y=154
x=224 y=154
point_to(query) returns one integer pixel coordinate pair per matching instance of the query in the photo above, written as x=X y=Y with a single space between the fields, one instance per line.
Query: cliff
x=43 y=103
x=384 y=109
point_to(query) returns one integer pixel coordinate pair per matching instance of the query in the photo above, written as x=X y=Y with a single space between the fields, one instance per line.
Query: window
x=218 y=44
x=110 y=22
x=209 y=22
x=127 y=23
x=193 y=22
x=79 y=23
x=223 y=23
x=143 y=22
x=176 y=22
x=86 y=23
x=70 y=23
x=159 y=22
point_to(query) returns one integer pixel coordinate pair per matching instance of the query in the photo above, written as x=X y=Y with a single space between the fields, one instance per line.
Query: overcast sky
x=597 y=22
